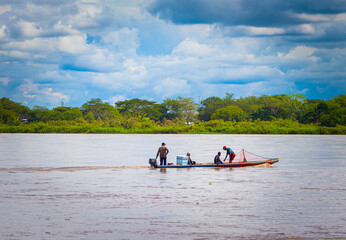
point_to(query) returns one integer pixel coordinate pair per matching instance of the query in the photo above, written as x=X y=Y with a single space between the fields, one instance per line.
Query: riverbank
x=211 y=127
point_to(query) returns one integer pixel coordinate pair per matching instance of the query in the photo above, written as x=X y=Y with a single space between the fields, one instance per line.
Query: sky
x=66 y=52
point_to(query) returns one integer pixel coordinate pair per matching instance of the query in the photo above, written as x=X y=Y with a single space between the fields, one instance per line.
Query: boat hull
x=226 y=165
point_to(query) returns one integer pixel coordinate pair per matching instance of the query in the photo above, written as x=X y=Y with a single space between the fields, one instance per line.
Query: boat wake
x=67 y=169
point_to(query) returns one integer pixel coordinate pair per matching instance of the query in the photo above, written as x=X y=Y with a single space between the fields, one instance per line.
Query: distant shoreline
x=279 y=114
x=261 y=127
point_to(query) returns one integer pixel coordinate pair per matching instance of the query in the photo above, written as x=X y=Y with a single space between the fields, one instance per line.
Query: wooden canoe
x=226 y=165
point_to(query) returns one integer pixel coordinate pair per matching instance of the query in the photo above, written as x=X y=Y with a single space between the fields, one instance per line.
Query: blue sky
x=71 y=51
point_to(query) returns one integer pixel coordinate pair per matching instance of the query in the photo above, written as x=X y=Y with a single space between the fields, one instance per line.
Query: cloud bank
x=71 y=51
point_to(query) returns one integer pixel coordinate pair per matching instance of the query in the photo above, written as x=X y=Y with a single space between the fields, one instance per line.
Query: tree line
x=142 y=113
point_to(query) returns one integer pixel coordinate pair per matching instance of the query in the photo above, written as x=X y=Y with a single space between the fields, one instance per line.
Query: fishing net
x=245 y=156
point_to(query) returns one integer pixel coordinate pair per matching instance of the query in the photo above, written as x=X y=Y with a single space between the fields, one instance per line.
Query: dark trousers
x=163 y=160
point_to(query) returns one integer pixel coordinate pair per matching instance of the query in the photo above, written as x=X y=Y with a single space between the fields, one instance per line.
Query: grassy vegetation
x=210 y=127
x=279 y=114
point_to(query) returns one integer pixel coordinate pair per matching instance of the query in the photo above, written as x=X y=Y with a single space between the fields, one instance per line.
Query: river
x=80 y=186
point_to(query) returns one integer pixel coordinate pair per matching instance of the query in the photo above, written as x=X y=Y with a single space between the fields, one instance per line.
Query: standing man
x=230 y=153
x=163 y=151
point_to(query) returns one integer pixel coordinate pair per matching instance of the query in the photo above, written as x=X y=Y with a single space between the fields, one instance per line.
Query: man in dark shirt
x=217 y=159
x=163 y=151
x=190 y=162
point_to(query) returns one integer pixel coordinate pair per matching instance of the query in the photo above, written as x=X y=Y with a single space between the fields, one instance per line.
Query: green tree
x=229 y=113
x=181 y=108
x=18 y=109
x=39 y=114
x=100 y=110
x=208 y=107
x=8 y=116
x=171 y=109
x=268 y=108
x=272 y=103
x=138 y=108
x=89 y=117
x=72 y=114
x=318 y=111
x=54 y=115
x=62 y=109
x=247 y=103
x=188 y=109
x=337 y=108
x=65 y=113
x=291 y=106
x=229 y=96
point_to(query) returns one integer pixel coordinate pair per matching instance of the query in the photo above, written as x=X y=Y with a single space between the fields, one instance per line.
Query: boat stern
x=153 y=162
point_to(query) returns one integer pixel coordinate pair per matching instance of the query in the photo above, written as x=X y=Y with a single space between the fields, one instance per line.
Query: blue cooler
x=182 y=160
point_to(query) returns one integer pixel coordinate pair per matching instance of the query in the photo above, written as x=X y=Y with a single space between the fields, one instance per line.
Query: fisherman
x=163 y=151
x=230 y=153
x=190 y=162
x=217 y=159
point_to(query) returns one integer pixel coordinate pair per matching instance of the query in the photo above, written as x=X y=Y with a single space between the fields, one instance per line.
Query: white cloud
x=89 y=1
x=40 y=93
x=4 y=80
x=29 y=29
x=115 y=99
x=5 y=8
x=56 y=76
x=59 y=95
x=28 y=87
x=17 y=54
x=86 y=16
x=91 y=10
x=97 y=60
x=124 y=40
x=199 y=31
x=75 y=44
x=300 y=53
x=61 y=28
x=190 y=47
x=305 y=29
x=171 y=86
x=253 y=31
x=132 y=78
x=33 y=45
x=2 y=31
x=134 y=67
x=249 y=73
x=314 y=17
x=340 y=17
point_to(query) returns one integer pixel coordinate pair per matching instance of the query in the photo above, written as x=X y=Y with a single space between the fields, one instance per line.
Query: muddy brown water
x=56 y=186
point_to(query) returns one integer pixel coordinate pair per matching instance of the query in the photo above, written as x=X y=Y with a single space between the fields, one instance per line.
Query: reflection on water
x=85 y=168
x=100 y=187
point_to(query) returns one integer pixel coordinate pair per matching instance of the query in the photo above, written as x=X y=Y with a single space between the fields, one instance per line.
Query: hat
x=224 y=147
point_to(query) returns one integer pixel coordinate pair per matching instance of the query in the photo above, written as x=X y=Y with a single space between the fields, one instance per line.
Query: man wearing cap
x=230 y=153
x=163 y=151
